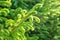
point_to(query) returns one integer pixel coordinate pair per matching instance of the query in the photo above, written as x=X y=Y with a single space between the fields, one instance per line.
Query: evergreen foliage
x=29 y=19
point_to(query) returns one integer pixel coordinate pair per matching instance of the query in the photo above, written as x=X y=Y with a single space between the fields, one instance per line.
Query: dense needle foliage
x=29 y=19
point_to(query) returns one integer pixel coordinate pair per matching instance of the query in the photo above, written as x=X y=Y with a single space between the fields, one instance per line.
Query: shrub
x=29 y=20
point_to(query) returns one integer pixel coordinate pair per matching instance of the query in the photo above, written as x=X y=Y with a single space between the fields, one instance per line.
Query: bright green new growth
x=13 y=24
x=5 y=3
